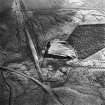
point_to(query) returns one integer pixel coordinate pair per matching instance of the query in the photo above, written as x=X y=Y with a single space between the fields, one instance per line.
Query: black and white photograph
x=52 y=52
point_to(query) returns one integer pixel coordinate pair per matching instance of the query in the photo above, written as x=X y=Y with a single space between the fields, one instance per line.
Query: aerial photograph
x=52 y=52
